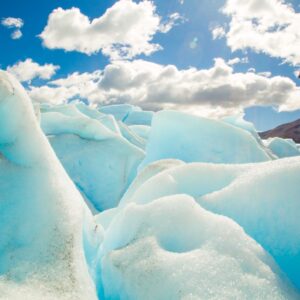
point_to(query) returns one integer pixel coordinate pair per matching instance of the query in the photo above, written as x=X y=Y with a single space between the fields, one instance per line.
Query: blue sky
x=187 y=44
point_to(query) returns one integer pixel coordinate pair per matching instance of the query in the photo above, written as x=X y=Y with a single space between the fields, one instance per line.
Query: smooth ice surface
x=142 y=130
x=139 y=118
x=191 y=254
x=129 y=114
x=238 y=121
x=149 y=171
x=101 y=162
x=283 y=147
x=196 y=139
x=131 y=136
x=42 y=215
x=119 y=111
x=82 y=111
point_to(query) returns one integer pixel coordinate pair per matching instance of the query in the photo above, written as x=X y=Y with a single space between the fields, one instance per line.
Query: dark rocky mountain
x=288 y=131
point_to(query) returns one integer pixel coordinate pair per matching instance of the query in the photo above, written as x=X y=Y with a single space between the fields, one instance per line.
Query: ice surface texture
x=191 y=138
x=174 y=249
x=191 y=208
x=101 y=162
x=129 y=114
x=42 y=215
x=263 y=198
x=283 y=147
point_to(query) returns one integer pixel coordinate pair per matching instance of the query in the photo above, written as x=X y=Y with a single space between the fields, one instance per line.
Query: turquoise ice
x=121 y=203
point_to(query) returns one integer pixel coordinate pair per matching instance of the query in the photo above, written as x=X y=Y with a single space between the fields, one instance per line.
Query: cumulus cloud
x=12 y=22
x=213 y=92
x=218 y=32
x=76 y=85
x=267 y=26
x=15 y=23
x=172 y=20
x=125 y=30
x=266 y=74
x=28 y=69
x=297 y=73
x=52 y=95
x=17 y=34
x=238 y=60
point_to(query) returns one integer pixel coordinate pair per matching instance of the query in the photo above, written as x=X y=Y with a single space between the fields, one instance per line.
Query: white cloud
x=12 y=22
x=212 y=92
x=62 y=90
x=46 y=94
x=218 y=32
x=265 y=74
x=234 y=61
x=77 y=79
x=268 y=26
x=238 y=60
x=172 y=20
x=17 y=34
x=15 y=23
x=125 y=30
x=28 y=70
x=297 y=74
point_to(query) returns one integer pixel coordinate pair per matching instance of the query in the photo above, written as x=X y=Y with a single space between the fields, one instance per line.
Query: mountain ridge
x=289 y=130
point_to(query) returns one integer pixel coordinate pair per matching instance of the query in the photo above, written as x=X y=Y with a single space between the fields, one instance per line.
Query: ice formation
x=174 y=249
x=121 y=203
x=141 y=130
x=97 y=157
x=238 y=121
x=129 y=114
x=42 y=215
x=191 y=138
x=263 y=198
x=282 y=147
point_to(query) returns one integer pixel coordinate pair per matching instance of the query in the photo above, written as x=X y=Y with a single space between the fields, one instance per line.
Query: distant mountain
x=288 y=131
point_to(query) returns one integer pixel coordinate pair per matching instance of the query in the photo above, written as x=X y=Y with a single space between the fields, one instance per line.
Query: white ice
x=190 y=208
x=101 y=162
x=43 y=219
x=195 y=139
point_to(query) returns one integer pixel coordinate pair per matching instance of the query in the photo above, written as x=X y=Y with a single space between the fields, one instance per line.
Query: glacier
x=191 y=138
x=190 y=254
x=43 y=218
x=254 y=195
x=115 y=202
x=129 y=114
x=99 y=159
x=282 y=147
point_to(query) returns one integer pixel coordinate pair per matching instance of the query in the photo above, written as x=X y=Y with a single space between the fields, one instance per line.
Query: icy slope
x=172 y=248
x=282 y=147
x=195 y=139
x=129 y=114
x=101 y=162
x=142 y=130
x=42 y=215
x=211 y=212
x=263 y=198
